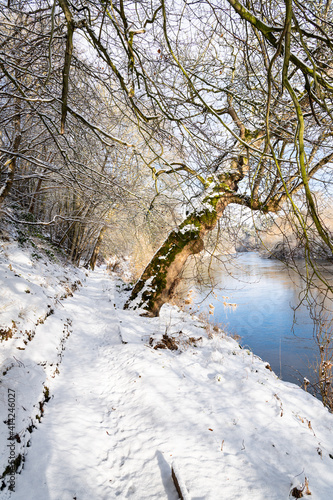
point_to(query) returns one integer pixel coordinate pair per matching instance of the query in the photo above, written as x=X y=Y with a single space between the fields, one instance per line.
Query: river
x=256 y=298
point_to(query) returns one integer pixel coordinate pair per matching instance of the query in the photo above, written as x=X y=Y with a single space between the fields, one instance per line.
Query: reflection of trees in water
x=215 y=274
x=264 y=291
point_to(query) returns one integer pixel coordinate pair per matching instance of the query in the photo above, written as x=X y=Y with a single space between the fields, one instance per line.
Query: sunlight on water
x=259 y=299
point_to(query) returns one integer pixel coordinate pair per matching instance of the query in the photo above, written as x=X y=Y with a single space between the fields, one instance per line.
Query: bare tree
x=232 y=102
x=67 y=159
x=271 y=107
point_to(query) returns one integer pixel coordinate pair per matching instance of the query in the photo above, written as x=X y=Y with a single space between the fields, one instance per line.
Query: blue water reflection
x=264 y=293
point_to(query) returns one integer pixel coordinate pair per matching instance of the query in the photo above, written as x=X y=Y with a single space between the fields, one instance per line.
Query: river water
x=256 y=298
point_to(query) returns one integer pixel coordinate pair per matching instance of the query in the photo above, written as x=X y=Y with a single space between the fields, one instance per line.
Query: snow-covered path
x=121 y=413
x=86 y=447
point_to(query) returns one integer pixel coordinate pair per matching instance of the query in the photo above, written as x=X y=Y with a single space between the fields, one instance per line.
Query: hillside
x=101 y=409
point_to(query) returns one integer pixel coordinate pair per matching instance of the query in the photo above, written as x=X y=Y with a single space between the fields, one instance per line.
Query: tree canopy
x=115 y=104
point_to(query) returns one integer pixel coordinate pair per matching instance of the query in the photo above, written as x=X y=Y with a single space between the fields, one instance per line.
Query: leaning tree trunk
x=161 y=276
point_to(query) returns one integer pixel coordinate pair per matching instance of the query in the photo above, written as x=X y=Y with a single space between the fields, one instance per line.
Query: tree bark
x=12 y=164
x=161 y=276
x=67 y=63
x=92 y=261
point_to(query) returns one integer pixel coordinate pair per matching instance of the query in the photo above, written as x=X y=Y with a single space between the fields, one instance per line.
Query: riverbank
x=103 y=409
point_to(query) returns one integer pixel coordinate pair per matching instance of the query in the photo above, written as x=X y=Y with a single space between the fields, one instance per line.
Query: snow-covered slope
x=122 y=412
x=34 y=283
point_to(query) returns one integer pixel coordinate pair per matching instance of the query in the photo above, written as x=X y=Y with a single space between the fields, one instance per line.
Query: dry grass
x=324 y=339
x=323 y=369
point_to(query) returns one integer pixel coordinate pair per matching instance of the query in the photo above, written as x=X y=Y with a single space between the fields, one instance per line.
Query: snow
x=188 y=228
x=147 y=287
x=121 y=413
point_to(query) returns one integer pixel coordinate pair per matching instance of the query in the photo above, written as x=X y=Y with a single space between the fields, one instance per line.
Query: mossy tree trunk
x=161 y=276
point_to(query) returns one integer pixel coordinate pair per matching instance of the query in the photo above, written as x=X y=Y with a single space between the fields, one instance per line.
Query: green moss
x=209 y=218
x=250 y=135
x=189 y=233
x=191 y=220
x=159 y=267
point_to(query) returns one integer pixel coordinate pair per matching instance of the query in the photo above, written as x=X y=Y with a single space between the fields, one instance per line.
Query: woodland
x=149 y=128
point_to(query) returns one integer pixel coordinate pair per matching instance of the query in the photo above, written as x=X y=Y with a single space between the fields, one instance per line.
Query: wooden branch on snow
x=179 y=483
